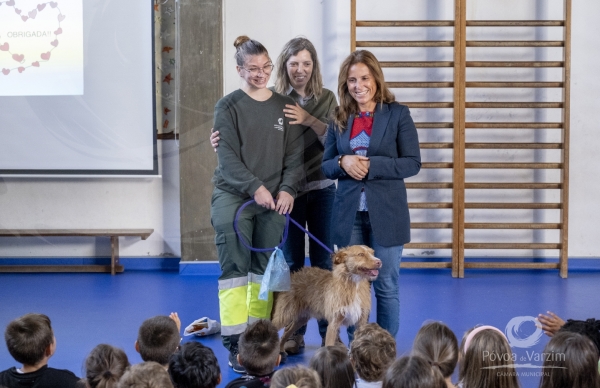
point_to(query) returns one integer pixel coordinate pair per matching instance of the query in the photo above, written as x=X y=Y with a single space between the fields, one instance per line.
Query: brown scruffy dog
x=342 y=296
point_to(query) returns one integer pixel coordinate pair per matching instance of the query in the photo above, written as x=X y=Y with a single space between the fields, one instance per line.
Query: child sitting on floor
x=30 y=341
x=371 y=353
x=298 y=376
x=478 y=369
x=334 y=367
x=437 y=344
x=146 y=375
x=158 y=338
x=571 y=361
x=104 y=366
x=413 y=372
x=258 y=354
x=194 y=366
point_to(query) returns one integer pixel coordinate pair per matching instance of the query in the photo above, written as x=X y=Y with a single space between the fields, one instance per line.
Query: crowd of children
x=369 y=363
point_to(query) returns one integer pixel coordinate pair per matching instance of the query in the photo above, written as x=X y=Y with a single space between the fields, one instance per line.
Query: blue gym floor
x=88 y=309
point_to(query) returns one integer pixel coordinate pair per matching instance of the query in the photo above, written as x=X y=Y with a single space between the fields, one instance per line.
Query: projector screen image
x=77 y=87
x=41 y=48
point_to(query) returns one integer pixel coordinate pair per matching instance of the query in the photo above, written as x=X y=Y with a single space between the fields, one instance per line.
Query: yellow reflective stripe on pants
x=258 y=309
x=233 y=308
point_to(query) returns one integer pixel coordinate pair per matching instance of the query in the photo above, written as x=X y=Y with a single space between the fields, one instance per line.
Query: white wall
x=326 y=24
x=94 y=203
x=154 y=203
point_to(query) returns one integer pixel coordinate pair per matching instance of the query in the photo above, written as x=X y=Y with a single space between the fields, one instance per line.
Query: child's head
x=333 y=366
x=413 y=372
x=30 y=339
x=146 y=375
x=484 y=353
x=437 y=344
x=194 y=366
x=104 y=366
x=372 y=352
x=158 y=338
x=571 y=360
x=299 y=375
x=259 y=348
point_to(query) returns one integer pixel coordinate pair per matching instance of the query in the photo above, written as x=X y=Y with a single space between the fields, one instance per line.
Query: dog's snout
x=377 y=262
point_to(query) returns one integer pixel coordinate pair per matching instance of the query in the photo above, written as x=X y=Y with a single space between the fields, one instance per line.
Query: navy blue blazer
x=394 y=155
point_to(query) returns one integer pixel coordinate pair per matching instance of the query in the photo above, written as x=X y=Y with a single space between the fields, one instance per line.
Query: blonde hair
x=299 y=375
x=487 y=348
x=348 y=105
x=293 y=47
x=245 y=47
x=372 y=352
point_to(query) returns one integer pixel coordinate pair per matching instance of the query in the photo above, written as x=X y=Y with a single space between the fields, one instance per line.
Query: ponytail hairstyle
x=293 y=47
x=348 y=105
x=437 y=344
x=413 y=372
x=245 y=47
x=104 y=366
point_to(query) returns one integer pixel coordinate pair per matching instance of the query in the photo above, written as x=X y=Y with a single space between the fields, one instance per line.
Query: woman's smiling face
x=299 y=69
x=362 y=86
x=256 y=71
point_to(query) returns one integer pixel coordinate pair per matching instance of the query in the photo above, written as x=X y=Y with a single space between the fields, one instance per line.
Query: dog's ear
x=339 y=257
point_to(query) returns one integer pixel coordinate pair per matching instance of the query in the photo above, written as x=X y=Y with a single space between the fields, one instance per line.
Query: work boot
x=233 y=360
x=294 y=344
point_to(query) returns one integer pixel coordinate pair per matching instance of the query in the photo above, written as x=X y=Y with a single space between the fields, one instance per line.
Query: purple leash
x=285 y=232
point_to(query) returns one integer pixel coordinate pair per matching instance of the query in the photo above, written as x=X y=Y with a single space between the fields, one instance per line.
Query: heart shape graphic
x=25 y=16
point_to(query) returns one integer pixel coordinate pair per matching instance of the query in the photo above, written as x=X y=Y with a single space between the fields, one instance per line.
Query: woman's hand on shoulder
x=356 y=166
x=298 y=114
x=214 y=139
x=284 y=203
x=263 y=198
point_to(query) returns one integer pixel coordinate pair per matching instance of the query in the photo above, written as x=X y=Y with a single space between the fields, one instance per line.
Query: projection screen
x=77 y=93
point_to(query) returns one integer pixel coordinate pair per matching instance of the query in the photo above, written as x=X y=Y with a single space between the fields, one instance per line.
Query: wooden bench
x=114 y=235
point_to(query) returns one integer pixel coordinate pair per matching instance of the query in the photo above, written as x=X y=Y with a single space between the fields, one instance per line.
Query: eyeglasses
x=254 y=71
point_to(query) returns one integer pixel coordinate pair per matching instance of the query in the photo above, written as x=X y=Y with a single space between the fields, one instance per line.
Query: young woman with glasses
x=260 y=158
x=299 y=77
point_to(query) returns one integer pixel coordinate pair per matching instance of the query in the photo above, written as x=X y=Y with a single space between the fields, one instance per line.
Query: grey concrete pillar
x=201 y=86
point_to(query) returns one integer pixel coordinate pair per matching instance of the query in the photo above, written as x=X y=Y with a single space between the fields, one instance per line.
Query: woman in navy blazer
x=371 y=146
